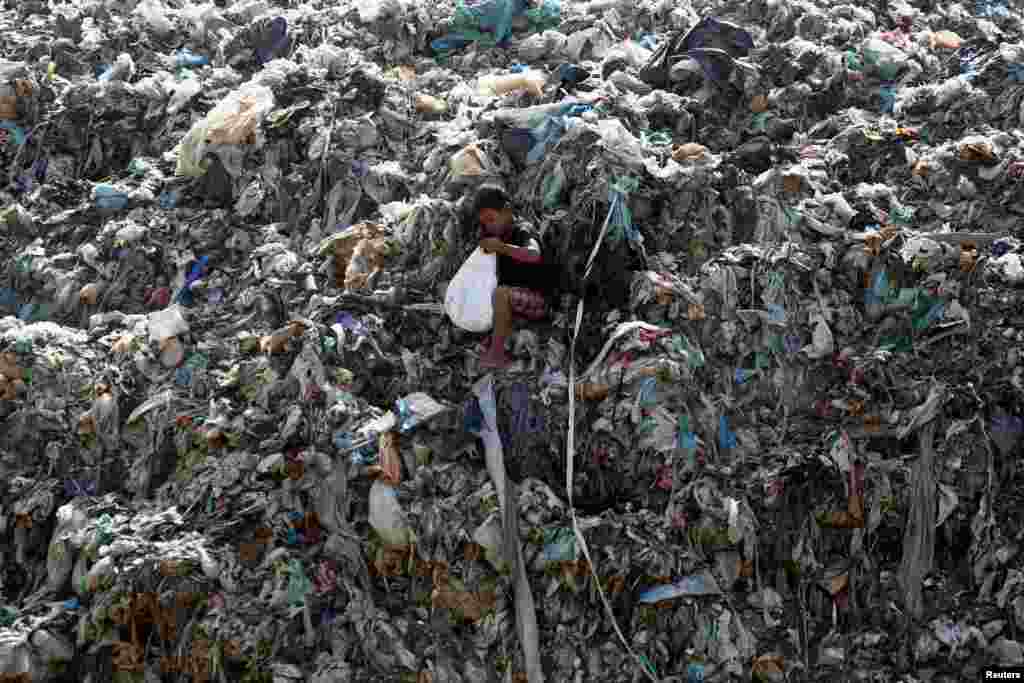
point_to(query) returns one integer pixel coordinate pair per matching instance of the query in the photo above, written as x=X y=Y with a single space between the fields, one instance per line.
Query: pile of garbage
x=770 y=429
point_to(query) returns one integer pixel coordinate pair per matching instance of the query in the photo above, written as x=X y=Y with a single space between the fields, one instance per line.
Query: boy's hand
x=492 y=245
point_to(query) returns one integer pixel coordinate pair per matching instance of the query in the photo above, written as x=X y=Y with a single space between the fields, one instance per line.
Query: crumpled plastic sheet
x=807 y=250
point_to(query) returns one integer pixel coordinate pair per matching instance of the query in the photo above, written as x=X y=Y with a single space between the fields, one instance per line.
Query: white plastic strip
x=570 y=457
x=526 y=611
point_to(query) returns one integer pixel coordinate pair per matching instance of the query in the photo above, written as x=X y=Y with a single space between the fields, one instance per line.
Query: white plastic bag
x=182 y=93
x=468 y=301
x=166 y=323
x=232 y=122
x=154 y=15
x=387 y=516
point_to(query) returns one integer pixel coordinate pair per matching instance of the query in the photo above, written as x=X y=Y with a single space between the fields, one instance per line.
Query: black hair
x=491 y=197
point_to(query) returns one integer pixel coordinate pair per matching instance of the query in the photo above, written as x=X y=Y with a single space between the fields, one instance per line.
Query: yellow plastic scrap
x=945 y=39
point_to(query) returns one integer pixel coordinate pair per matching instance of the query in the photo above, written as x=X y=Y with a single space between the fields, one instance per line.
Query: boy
x=521 y=272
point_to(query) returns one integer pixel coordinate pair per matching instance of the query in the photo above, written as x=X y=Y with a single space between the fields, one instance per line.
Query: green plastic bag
x=552 y=188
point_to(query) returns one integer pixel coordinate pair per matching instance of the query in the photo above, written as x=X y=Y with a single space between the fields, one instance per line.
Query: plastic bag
x=386 y=515
x=468 y=301
x=633 y=53
x=15 y=655
x=470 y=161
x=154 y=15
x=232 y=122
x=502 y=84
x=183 y=92
x=375 y=10
x=60 y=559
x=166 y=323
x=109 y=197
x=553 y=184
x=494 y=16
x=888 y=59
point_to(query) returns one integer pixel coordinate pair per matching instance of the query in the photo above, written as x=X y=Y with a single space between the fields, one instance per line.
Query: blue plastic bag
x=275 y=41
x=109 y=197
x=186 y=58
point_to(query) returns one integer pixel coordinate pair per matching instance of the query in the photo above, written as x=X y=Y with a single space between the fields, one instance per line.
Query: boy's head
x=492 y=209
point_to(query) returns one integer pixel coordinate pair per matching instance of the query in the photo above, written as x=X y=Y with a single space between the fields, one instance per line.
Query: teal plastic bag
x=489 y=16
x=298 y=584
x=552 y=188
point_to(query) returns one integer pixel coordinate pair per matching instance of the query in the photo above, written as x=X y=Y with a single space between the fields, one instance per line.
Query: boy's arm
x=528 y=254
x=522 y=254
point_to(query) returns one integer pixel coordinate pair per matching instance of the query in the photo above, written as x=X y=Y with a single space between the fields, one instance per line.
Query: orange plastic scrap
x=198 y=662
x=592 y=391
x=472 y=605
x=769 y=666
x=120 y=614
x=11 y=375
x=968 y=256
x=127 y=657
x=392 y=560
x=8 y=107
x=231 y=648
x=872 y=423
x=86 y=424
x=276 y=342
x=888 y=232
x=851 y=518
x=390 y=458
x=616 y=584
x=573 y=568
x=837 y=584
x=346 y=246
x=429 y=568
x=473 y=552
x=690 y=151
x=977 y=151
x=295 y=469
x=662 y=296
x=792 y=183
x=873 y=244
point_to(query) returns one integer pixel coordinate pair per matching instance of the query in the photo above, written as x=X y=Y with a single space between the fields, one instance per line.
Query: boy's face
x=495 y=222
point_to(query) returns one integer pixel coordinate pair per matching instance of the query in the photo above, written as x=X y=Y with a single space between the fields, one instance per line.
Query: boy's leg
x=528 y=304
x=495 y=357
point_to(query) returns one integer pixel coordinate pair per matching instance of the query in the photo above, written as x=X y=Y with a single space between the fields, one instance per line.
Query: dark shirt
x=513 y=273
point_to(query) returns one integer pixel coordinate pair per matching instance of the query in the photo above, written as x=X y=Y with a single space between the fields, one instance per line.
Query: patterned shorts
x=528 y=303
